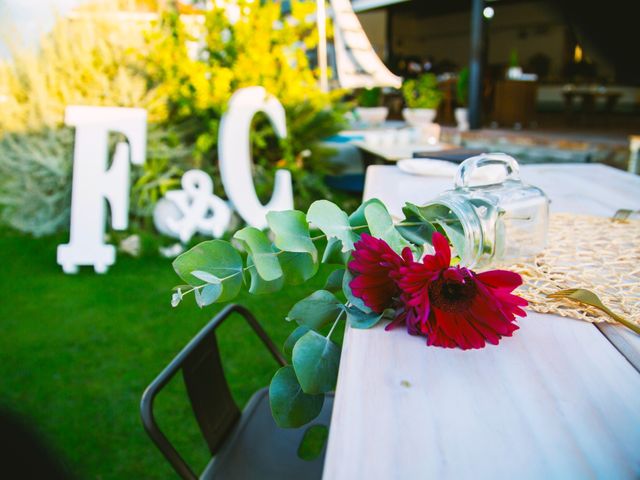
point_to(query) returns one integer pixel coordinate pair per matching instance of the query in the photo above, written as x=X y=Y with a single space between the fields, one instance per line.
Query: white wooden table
x=399 y=151
x=557 y=400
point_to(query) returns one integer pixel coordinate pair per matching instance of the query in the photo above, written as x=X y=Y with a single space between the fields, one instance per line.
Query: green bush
x=370 y=97
x=422 y=92
x=35 y=180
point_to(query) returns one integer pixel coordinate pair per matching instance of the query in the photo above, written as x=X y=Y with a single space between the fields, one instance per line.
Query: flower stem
x=335 y=323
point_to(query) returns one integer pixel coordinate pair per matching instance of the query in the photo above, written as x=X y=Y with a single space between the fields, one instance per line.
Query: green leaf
x=447 y=221
x=205 y=276
x=333 y=253
x=346 y=289
x=334 y=281
x=292 y=232
x=215 y=257
x=291 y=340
x=316 y=310
x=316 y=360
x=258 y=285
x=290 y=406
x=381 y=226
x=422 y=231
x=357 y=219
x=297 y=267
x=211 y=293
x=333 y=222
x=455 y=237
x=259 y=247
x=359 y=319
x=358 y=222
x=313 y=442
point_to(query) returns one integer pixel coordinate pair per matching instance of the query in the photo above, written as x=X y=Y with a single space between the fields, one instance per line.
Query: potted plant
x=422 y=97
x=462 y=96
x=369 y=110
x=514 y=72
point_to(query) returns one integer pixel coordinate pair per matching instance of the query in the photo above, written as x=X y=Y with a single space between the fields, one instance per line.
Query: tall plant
x=462 y=87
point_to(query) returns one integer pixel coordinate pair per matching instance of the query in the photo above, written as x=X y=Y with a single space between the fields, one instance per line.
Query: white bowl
x=417 y=117
x=372 y=115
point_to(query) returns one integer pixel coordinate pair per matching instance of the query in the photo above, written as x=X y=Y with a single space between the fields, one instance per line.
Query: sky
x=24 y=21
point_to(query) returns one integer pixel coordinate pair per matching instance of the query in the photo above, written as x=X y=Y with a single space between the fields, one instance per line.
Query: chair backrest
x=214 y=408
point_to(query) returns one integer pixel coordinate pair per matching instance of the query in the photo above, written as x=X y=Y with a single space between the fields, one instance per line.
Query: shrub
x=422 y=92
x=35 y=180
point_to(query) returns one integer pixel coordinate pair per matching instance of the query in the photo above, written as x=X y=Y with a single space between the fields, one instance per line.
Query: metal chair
x=244 y=444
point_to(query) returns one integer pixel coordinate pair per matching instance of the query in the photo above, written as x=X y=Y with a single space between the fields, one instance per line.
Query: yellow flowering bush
x=198 y=61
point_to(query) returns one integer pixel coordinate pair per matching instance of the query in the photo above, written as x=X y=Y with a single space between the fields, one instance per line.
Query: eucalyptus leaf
x=316 y=360
x=210 y=293
x=258 y=285
x=359 y=319
x=176 y=298
x=455 y=237
x=333 y=222
x=358 y=220
x=291 y=340
x=259 y=247
x=316 y=310
x=381 y=226
x=346 y=289
x=297 y=267
x=291 y=232
x=421 y=230
x=198 y=297
x=290 y=406
x=217 y=258
x=205 y=276
x=334 y=281
x=443 y=219
x=333 y=253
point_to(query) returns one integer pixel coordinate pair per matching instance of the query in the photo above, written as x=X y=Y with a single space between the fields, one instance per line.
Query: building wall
x=530 y=28
x=374 y=24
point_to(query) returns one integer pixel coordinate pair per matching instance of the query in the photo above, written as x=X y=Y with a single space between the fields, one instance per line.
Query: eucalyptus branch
x=335 y=323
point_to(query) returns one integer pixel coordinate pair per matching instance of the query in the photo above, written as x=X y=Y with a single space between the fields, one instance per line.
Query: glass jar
x=493 y=222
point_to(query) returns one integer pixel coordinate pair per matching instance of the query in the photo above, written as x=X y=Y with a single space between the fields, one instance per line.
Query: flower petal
x=443 y=250
x=500 y=279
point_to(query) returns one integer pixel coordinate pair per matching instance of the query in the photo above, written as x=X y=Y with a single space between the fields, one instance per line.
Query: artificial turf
x=77 y=351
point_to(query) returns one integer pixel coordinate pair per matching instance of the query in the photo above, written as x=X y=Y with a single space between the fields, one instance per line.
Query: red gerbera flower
x=453 y=306
x=374 y=265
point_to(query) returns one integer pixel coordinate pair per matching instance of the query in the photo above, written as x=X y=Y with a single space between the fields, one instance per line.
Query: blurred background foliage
x=182 y=67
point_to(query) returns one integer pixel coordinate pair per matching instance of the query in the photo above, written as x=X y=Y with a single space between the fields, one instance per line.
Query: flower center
x=452 y=295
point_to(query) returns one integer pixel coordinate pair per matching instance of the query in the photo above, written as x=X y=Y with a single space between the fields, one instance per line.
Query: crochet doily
x=583 y=251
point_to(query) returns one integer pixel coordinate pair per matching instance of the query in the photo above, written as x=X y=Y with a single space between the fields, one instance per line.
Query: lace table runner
x=584 y=251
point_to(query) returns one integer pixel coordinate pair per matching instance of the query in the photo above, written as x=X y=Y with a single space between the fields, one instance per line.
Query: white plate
x=440 y=168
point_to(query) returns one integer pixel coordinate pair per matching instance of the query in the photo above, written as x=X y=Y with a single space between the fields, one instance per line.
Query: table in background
x=514 y=102
x=556 y=400
x=587 y=100
x=398 y=151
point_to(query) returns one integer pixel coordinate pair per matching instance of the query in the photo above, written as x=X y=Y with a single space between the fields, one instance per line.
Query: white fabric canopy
x=357 y=63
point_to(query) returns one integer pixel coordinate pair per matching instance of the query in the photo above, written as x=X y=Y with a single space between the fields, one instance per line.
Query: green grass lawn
x=77 y=351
